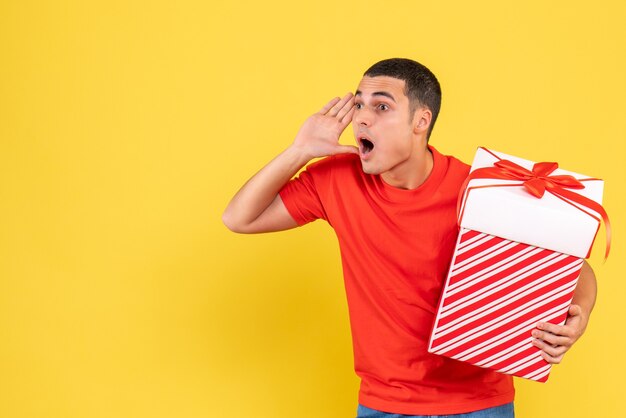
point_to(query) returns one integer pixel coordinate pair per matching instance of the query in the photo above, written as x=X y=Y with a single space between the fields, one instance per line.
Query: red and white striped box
x=514 y=265
x=496 y=292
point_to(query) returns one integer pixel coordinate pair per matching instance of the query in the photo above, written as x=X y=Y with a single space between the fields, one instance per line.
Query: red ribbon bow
x=537 y=182
x=539 y=179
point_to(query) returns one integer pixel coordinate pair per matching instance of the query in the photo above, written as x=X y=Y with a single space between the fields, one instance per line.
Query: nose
x=362 y=117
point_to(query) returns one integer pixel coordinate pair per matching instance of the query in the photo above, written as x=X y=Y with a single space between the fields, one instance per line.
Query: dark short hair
x=421 y=85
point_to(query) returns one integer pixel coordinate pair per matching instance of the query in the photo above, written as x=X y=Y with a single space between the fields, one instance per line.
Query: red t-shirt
x=396 y=246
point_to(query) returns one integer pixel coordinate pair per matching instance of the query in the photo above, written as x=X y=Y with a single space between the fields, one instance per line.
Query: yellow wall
x=125 y=128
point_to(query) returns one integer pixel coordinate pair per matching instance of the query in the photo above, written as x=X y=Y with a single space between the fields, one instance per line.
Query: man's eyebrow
x=378 y=93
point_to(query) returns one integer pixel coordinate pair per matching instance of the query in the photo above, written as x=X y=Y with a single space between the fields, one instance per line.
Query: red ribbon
x=537 y=182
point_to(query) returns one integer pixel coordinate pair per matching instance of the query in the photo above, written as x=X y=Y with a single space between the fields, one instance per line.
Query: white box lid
x=514 y=214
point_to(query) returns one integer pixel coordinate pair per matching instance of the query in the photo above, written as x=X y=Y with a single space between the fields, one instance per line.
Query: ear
x=421 y=120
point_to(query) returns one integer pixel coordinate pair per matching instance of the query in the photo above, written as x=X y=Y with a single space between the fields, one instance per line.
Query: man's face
x=382 y=124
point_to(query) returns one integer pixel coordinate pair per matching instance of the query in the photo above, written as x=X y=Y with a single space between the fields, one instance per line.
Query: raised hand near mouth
x=257 y=206
x=319 y=134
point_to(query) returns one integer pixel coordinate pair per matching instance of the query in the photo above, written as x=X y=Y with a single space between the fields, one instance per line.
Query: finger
x=567 y=331
x=552 y=338
x=345 y=121
x=575 y=310
x=346 y=108
x=550 y=359
x=550 y=349
x=334 y=111
x=329 y=105
x=339 y=105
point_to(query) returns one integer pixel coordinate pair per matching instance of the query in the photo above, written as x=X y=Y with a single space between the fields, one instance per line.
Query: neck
x=413 y=172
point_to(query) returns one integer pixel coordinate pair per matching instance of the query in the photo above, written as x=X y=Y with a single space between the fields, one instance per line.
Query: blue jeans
x=503 y=411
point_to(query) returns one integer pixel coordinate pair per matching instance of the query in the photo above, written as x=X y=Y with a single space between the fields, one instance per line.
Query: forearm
x=586 y=290
x=259 y=192
x=256 y=208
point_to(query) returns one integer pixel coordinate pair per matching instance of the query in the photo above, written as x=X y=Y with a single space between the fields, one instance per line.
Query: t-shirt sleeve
x=303 y=195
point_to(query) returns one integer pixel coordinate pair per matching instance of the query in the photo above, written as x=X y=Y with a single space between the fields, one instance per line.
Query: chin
x=367 y=169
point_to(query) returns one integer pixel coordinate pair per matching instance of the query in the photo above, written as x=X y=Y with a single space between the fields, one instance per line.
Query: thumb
x=346 y=149
x=575 y=310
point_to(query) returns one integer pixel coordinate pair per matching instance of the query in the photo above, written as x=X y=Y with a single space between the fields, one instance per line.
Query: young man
x=391 y=202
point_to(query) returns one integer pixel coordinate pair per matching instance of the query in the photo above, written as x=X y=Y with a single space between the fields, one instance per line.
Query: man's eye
x=383 y=107
x=358 y=105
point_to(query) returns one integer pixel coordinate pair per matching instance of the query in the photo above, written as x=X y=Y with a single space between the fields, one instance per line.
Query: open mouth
x=366 y=146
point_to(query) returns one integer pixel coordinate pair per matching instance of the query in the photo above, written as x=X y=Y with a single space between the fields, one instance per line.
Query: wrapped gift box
x=516 y=262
